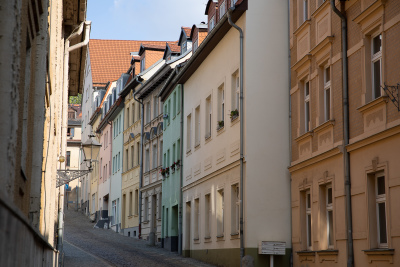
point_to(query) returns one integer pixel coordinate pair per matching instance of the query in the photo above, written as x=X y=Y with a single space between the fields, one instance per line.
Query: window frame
x=308 y=213
x=327 y=93
x=379 y=199
x=307 y=113
x=375 y=58
x=329 y=208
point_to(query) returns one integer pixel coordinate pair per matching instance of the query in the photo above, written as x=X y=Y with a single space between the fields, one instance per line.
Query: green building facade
x=172 y=165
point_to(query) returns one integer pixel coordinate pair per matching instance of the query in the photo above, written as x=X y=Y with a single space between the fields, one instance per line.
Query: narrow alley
x=88 y=246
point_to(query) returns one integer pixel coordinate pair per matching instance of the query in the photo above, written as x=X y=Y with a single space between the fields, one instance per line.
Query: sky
x=155 y=20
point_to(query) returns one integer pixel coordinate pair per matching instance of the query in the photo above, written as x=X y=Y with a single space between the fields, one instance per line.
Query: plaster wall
x=212 y=164
x=267 y=152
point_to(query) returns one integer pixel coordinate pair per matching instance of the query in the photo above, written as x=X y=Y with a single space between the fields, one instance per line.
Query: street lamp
x=91 y=149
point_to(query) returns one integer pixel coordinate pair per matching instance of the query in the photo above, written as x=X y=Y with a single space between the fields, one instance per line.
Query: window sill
x=379 y=251
x=304 y=136
x=208 y=136
x=145 y=222
x=328 y=252
x=306 y=253
x=373 y=104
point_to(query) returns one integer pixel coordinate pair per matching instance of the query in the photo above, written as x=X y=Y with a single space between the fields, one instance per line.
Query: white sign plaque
x=272 y=248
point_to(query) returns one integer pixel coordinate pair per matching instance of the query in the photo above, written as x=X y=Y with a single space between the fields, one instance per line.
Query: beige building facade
x=320 y=221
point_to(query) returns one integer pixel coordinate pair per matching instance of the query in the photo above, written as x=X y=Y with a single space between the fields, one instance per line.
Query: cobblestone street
x=87 y=246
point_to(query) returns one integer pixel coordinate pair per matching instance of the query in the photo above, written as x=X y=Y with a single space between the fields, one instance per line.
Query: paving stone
x=85 y=245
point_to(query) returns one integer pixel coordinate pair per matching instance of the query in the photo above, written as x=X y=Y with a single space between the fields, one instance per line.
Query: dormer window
x=142 y=64
x=222 y=9
x=184 y=47
x=211 y=23
x=233 y=3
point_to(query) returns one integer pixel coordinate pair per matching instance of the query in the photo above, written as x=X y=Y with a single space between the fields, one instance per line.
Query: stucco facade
x=318 y=168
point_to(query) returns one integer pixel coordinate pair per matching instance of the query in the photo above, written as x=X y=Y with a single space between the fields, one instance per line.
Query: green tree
x=75 y=99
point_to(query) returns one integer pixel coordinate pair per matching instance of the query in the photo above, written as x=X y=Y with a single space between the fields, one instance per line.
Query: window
x=207 y=215
x=178 y=149
x=142 y=64
x=235 y=209
x=221 y=104
x=220 y=213
x=126 y=160
x=133 y=113
x=178 y=99
x=161 y=152
x=307 y=106
x=132 y=156
x=130 y=203
x=109 y=169
x=136 y=201
x=235 y=91
x=174 y=107
x=155 y=106
x=305 y=10
x=146 y=209
x=222 y=9
x=127 y=118
x=148 y=111
x=68 y=159
x=327 y=93
x=154 y=156
x=329 y=215
x=114 y=212
x=173 y=153
x=70 y=131
x=189 y=133
x=308 y=220
x=196 y=219
x=184 y=47
x=377 y=210
x=147 y=160
x=197 y=127
x=208 y=117
x=211 y=23
x=376 y=66
x=233 y=3
x=159 y=206
x=138 y=153
x=119 y=160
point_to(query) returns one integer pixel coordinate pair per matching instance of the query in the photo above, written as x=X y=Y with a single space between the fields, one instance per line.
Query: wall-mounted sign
x=272 y=248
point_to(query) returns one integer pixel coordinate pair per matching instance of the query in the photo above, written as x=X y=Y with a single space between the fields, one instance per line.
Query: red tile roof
x=175 y=48
x=187 y=31
x=110 y=58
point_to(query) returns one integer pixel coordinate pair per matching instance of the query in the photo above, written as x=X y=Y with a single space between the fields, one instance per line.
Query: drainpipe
x=68 y=49
x=290 y=125
x=241 y=132
x=350 y=257
x=141 y=157
x=180 y=239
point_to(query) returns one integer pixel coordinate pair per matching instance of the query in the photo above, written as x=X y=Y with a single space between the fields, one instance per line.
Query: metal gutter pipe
x=180 y=239
x=64 y=123
x=241 y=132
x=350 y=257
x=290 y=125
x=68 y=49
x=141 y=156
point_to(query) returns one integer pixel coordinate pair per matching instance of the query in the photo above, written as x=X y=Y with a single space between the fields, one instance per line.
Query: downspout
x=67 y=49
x=290 y=126
x=141 y=157
x=180 y=239
x=350 y=257
x=241 y=133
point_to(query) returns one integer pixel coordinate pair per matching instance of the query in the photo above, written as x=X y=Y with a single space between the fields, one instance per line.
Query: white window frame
x=197 y=126
x=307 y=115
x=211 y=23
x=208 y=117
x=375 y=58
x=235 y=209
x=308 y=220
x=114 y=212
x=379 y=199
x=327 y=93
x=222 y=9
x=221 y=104
x=329 y=208
x=196 y=234
x=189 y=132
x=142 y=64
